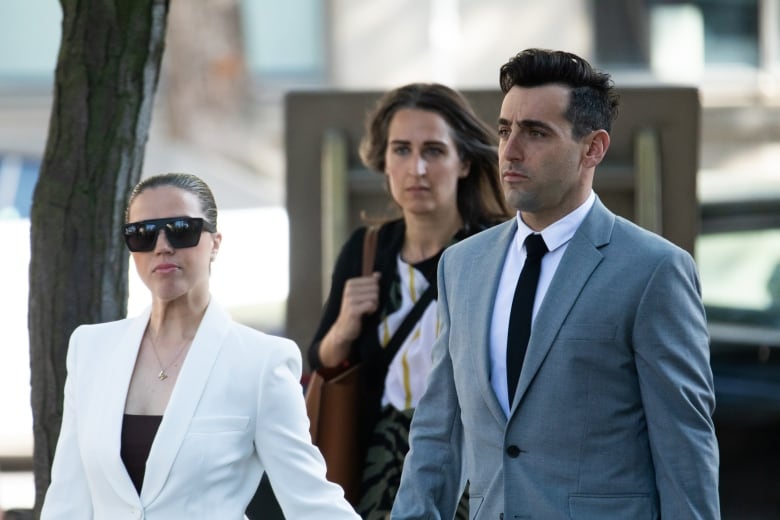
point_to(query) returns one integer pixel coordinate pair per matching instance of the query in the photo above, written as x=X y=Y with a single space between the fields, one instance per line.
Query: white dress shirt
x=556 y=236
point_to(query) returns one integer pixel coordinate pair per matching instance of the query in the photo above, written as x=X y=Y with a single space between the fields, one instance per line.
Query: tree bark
x=106 y=77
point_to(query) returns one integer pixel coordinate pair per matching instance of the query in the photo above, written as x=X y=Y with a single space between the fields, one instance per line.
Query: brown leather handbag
x=333 y=406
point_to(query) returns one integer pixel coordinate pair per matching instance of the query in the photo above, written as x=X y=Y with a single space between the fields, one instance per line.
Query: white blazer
x=236 y=411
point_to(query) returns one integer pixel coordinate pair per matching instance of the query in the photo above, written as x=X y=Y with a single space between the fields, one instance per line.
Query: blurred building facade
x=250 y=52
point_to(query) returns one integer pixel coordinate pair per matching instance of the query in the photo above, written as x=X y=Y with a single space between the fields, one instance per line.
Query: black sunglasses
x=180 y=231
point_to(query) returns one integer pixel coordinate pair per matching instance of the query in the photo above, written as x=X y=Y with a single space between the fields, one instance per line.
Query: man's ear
x=597 y=143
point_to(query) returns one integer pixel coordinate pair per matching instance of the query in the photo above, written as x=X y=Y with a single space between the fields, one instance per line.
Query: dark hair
x=184 y=181
x=480 y=196
x=593 y=103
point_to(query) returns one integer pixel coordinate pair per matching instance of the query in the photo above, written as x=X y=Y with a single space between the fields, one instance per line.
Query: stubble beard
x=520 y=200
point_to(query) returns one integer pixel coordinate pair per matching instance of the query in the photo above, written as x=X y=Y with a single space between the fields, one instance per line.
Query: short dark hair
x=185 y=181
x=480 y=196
x=593 y=103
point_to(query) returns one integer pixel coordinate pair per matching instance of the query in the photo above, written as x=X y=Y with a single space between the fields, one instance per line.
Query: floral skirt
x=384 y=461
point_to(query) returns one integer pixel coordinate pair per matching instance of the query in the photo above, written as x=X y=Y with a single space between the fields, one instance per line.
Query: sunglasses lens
x=140 y=236
x=184 y=232
x=180 y=232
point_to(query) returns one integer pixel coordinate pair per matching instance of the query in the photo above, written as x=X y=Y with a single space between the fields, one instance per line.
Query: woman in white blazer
x=177 y=413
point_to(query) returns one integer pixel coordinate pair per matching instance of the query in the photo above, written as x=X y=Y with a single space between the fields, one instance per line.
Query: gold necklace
x=163 y=375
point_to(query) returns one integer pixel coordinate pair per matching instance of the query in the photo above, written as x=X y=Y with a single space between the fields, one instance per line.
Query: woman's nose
x=162 y=245
x=420 y=167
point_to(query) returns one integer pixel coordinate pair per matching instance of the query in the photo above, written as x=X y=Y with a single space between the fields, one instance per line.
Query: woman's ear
x=597 y=143
x=217 y=240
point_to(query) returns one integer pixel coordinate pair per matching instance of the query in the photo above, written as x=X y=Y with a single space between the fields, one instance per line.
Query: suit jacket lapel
x=580 y=259
x=111 y=404
x=190 y=385
x=490 y=264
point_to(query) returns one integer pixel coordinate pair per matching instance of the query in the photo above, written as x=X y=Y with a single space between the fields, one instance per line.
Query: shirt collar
x=559 y=232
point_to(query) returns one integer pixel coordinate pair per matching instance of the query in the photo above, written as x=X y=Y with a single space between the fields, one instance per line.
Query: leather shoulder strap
x=369 y=250
x=406 y=326
x=369 y=254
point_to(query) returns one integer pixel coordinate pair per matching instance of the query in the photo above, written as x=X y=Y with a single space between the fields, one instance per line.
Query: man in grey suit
x=611 y=416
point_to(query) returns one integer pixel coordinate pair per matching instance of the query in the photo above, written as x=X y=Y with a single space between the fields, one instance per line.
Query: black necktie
x=522 y=311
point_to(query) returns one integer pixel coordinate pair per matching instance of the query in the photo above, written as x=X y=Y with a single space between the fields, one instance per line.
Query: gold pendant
x=162 y=376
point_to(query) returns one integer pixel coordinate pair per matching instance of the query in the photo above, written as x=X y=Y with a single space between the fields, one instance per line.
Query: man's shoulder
x=648 y=242
x=482 y=239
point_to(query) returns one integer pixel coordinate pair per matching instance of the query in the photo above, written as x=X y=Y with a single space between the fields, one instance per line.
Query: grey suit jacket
x=612 y=417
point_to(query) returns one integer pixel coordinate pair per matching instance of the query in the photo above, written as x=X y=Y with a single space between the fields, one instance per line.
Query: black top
x=366 y=348
x=138 y=433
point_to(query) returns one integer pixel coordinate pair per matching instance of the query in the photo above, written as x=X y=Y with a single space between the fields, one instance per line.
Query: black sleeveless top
x=138 y=433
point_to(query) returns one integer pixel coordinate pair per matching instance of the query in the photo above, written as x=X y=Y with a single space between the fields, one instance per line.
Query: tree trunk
x=106 y=77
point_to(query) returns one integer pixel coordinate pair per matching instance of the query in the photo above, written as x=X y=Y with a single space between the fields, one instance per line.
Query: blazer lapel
x=111 y=404
x=190 y=385
x=581 y=258
x=480 y=307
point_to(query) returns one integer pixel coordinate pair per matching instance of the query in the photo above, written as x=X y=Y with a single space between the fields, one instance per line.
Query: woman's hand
x=360 y=297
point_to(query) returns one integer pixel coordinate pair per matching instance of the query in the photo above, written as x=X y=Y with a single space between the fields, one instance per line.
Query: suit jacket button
x=513 y=451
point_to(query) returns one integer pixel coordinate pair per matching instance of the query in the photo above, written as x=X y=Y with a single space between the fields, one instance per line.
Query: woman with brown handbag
x=440 y=164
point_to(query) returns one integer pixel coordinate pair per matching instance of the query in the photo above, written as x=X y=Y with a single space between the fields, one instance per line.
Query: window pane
x=740 y=276
x=29 y=54
x=730 y=33
x=284 y=40
x=18 y=176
